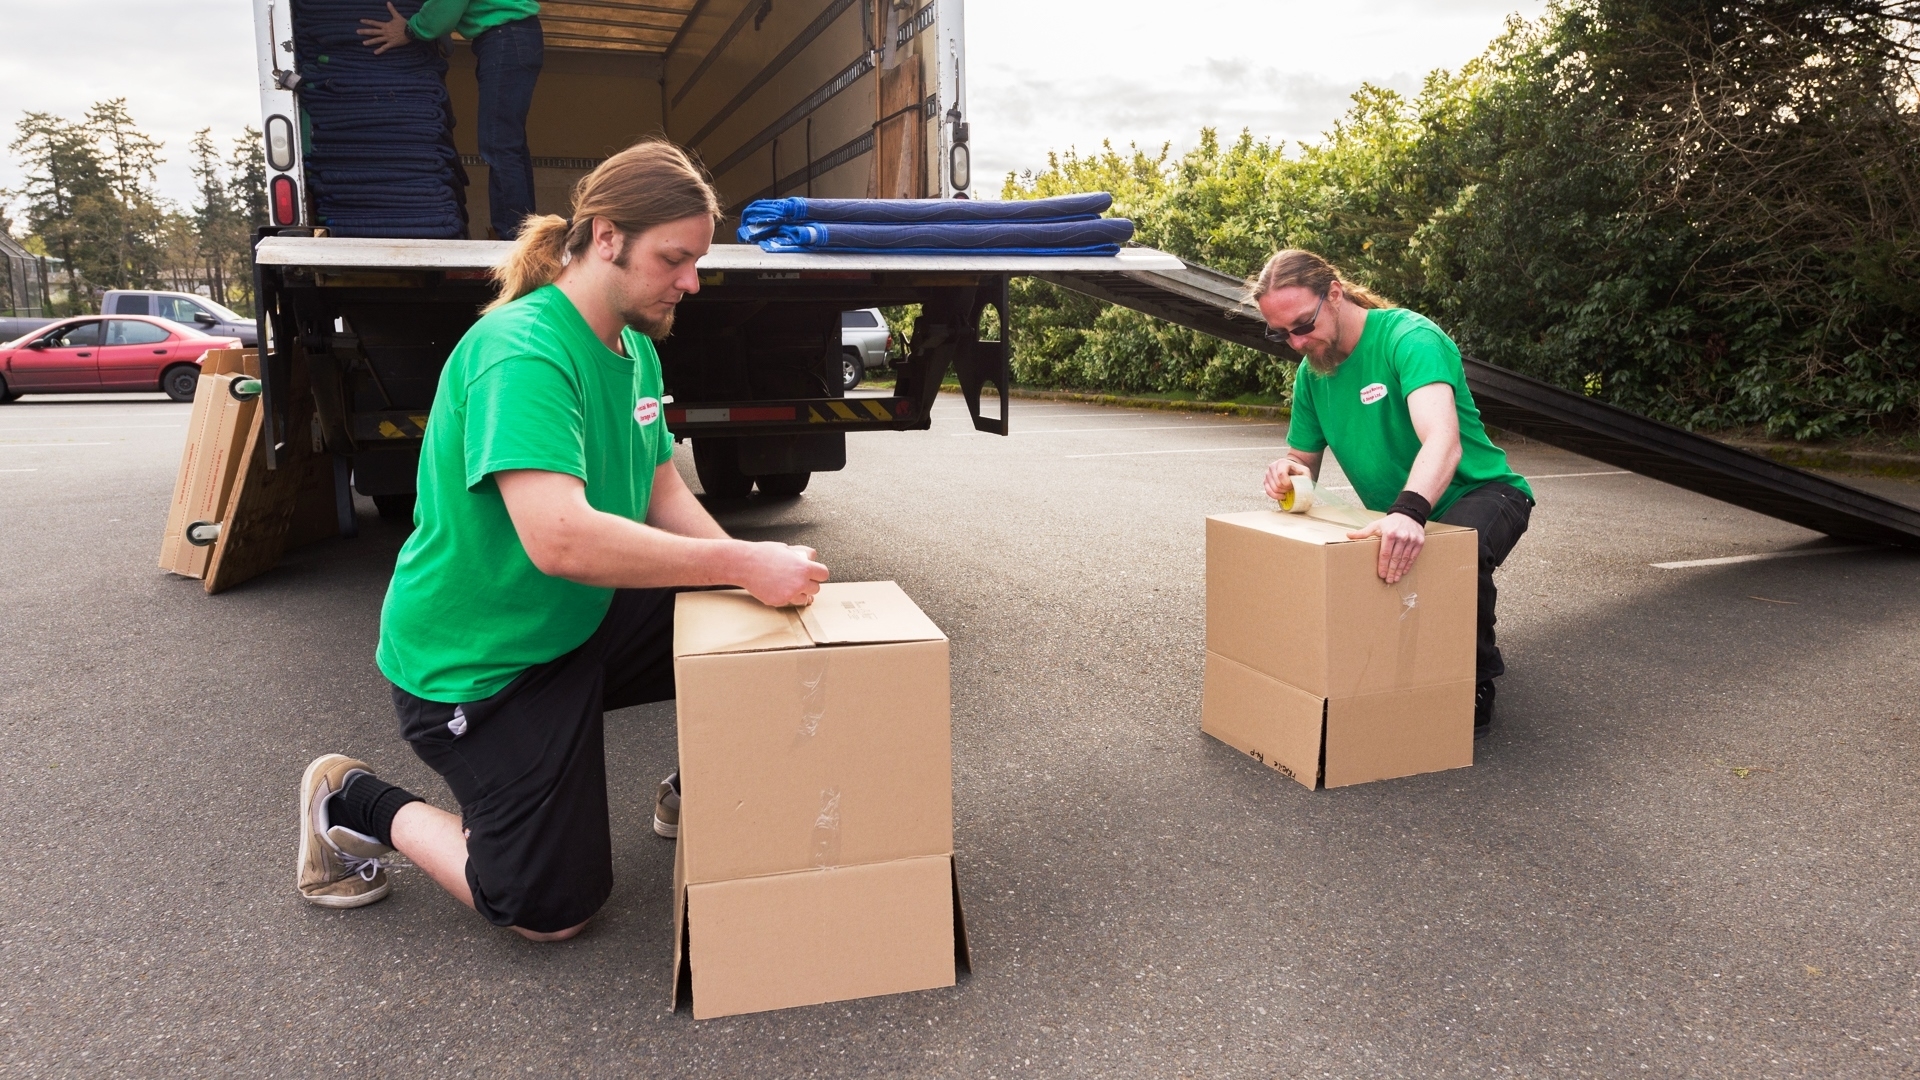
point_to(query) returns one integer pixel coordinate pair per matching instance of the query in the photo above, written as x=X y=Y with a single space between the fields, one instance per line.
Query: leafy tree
x=64 y=171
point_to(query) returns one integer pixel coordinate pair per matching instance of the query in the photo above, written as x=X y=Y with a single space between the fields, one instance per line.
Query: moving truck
x=818 y=98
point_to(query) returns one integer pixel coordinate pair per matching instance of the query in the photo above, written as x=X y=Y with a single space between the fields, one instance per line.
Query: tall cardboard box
x=815 y=858
x=1323 y=672
x=216 y=447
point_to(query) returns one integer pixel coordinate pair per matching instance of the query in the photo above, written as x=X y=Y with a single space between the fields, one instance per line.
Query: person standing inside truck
x=508 y=52
x=552 y=533
x=1385 y=389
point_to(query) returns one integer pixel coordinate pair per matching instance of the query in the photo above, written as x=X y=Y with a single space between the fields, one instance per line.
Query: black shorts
x=528 y=765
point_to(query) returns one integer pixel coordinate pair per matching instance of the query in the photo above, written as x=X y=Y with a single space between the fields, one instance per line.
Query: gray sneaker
x=339 y=868
x=666 y=807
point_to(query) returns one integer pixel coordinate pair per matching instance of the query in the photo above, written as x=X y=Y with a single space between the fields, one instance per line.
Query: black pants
x=529 y=768
x=1499 y=512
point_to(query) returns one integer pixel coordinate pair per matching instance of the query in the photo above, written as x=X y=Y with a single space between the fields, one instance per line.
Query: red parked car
x=116 y=353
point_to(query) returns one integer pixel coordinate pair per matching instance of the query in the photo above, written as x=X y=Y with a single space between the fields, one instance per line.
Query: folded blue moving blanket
x=762 y=217
x=1063 y=225
x=1095 y=236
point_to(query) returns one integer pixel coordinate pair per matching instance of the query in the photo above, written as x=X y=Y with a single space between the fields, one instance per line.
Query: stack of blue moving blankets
x=381 y=160
x=1063 y=225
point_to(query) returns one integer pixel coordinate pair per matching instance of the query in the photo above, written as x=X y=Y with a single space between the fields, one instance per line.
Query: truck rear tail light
x=962 y=168
x=286 y=203
x=279 y=143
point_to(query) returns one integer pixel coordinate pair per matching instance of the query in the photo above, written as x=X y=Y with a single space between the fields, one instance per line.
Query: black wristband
x=1412 y=504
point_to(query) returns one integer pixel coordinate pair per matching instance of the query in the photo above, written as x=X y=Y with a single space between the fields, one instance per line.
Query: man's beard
x=1324 y=364
x=653 y=328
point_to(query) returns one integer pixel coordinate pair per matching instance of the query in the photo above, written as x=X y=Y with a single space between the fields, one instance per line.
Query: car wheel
x=395 y=507
x=7 y=395
x=717 y=463
x=850 y=370
x=179 y=381
x=783 y=485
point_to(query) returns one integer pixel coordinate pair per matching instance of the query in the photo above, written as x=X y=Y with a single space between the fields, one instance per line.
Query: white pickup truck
x=817 y=98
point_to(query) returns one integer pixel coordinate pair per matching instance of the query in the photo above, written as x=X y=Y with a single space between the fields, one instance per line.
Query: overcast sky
x=1044 y=74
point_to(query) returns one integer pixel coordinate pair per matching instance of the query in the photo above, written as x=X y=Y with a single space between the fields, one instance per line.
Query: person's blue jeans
x=507 y=63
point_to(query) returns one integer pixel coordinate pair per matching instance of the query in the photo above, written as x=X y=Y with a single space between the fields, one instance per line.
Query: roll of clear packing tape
x=1298 y=499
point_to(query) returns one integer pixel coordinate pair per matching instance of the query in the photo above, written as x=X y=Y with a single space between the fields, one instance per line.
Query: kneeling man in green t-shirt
x=1384 y=387
x=536 y=591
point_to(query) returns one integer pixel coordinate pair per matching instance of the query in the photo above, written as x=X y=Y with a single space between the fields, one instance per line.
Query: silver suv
x=184 y=308
x=864 y=342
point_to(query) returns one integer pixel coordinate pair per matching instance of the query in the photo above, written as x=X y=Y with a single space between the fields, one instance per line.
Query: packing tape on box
x=826 y=830
x=811 y=669
x=1299 y=498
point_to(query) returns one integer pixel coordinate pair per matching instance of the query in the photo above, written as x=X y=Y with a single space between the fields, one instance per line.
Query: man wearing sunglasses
x=1384 y=387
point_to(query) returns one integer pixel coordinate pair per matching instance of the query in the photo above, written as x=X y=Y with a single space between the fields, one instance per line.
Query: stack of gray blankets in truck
x=380 y=160
x=1062 y=225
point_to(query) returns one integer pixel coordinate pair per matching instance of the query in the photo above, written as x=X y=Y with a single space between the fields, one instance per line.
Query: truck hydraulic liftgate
x=1213 y=303
x=410 y=300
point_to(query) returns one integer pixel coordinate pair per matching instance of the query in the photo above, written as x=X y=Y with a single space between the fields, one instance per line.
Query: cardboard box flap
x=732 y=621
x=1321 y=525
x=866 y=613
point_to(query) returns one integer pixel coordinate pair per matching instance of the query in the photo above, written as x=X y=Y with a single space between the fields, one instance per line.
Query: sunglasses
x=1276 y=334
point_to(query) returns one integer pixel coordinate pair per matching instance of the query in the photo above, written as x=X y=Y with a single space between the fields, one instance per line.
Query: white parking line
x=1197 y=450
x=1566 y=475
x=98 y=427
x=19 y=470
x=1762 y=556
x=1154 y=427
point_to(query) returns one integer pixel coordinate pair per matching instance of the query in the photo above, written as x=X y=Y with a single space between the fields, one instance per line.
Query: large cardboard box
x=1326 y=674
x=815 y=857
x=217 y=434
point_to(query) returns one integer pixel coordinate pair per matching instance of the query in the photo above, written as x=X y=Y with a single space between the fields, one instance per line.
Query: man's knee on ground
x=557 y=935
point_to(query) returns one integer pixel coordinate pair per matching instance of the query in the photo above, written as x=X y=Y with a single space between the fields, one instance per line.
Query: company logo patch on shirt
x=1372 y=392
x=646 y=412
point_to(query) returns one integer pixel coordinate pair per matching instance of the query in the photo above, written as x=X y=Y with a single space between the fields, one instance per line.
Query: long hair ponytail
x=649 y=183
x=1297 y=267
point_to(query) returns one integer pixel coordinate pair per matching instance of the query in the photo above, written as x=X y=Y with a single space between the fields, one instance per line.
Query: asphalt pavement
x=1688 y=849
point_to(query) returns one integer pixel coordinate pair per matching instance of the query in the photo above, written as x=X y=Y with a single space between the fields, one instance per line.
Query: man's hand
x=1401 y=539
x=1280 y=474
x=391 y=34
x=782 y=575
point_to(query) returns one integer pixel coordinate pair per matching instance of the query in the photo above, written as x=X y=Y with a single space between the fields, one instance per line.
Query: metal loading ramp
x=1213 y=303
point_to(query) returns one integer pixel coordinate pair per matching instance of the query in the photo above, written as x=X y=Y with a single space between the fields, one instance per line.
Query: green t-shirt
x=1361 y=411
x=528 y=387
x=436 y=17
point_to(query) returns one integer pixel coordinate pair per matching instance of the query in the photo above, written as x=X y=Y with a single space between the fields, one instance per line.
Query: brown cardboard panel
x=1291 y=597
x=1267 y=599
x=218 y=444
x=803 y=758
x=785 y=940
x=201 y=424
x=1277 y=725
x=1379 y=736
x=866 y=612
x=731 y=620
x=1416 y=632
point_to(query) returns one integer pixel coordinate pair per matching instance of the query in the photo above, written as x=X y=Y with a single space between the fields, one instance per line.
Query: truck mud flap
x=1215 y=304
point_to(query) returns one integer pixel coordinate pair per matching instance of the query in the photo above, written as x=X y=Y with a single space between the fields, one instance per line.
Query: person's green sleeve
x=1303 y=427
x=436 y=19
x=523 y=414
x=1424 y=356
